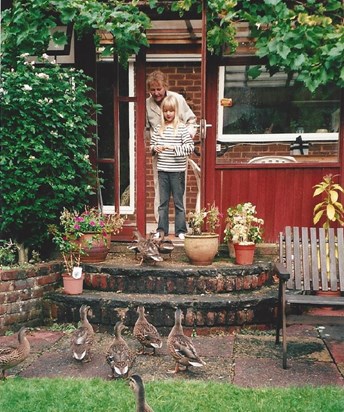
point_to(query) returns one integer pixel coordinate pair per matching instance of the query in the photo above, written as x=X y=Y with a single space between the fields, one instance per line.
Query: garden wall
x=21 y=294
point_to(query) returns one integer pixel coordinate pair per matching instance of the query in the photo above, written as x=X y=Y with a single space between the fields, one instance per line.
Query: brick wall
x=21 y=294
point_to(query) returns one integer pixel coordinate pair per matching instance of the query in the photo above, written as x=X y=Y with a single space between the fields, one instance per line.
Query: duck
x=146 y=333
x=10 y=357
x=165 y=246
x=83 y=337
x=118 y=355
x=134 y=248
x=147 y=248
x=136 y=385
x=181 y=346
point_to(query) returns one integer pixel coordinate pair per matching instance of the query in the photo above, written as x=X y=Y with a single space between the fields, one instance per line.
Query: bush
x=44 y=164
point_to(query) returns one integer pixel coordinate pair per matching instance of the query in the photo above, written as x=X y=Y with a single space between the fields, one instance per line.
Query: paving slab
x=246 y=358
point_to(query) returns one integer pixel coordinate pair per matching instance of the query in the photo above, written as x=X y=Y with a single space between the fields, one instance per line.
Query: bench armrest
x=281 y=271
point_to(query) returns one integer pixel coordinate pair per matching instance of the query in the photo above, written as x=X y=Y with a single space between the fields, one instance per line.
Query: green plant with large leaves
x=46 y=114
x=330 y=208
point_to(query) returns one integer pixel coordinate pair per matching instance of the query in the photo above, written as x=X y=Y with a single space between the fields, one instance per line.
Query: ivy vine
x=305 y=37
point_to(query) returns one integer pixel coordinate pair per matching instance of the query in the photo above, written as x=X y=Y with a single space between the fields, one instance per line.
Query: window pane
x=277 y=113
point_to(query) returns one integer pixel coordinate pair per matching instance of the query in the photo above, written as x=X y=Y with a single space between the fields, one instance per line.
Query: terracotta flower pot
x=244 y=254
x=201 y=249
x=72 y=286
x=95 y=247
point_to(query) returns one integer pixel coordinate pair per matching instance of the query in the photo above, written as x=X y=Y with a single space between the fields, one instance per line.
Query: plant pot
x=72 y=286
x=244 y=254
x=231 y=249
x=95 y=247
x=201 y=249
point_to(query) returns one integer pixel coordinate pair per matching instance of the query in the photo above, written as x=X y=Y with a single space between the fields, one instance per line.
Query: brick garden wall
x=21 y=294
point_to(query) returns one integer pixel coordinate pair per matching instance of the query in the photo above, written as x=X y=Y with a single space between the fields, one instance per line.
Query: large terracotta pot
x=244 y=254
x=72 y=286
x=95 y=247
x=201 y=249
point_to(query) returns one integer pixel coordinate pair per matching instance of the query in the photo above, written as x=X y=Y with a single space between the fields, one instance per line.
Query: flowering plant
x=48 y=109
x=210 y=217
x=91 y=220
x=242 y=224
x=74 y=224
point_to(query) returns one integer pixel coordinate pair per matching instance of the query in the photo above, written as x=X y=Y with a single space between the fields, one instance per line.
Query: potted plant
x=245 y=230
x=90 y=230
x=330 y=209
x=201 y=247
x=71 y=253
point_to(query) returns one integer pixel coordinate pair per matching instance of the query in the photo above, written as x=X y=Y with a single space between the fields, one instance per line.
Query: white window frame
x=266 y=137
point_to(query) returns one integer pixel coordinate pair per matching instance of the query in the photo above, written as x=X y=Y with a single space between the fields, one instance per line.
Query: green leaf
x=330 y=212
x=334 y=196
x=318 y=216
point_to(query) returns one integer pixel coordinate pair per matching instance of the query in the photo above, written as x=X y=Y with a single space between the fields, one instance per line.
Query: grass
x=74 y=395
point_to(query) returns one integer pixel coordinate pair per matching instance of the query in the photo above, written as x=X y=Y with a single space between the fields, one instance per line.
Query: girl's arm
x=187 y=145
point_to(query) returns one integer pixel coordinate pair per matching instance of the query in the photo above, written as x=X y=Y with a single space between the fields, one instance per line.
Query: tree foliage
x=303 y=37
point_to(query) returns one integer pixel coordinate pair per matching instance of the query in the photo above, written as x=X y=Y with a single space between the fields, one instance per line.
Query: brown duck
x=146 y=333
x=165 y=246
x=83 y=337
x=10 y=357
x=147 y=248
x=136 y=385
x=181 y=347
x=119 y=356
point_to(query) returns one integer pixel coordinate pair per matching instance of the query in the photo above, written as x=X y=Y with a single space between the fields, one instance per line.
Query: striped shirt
x=172 y=160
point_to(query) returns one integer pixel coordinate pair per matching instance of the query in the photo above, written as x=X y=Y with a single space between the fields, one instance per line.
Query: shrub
x=46 y=115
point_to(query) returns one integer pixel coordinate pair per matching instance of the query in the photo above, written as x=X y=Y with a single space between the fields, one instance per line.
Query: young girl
x=171 y=143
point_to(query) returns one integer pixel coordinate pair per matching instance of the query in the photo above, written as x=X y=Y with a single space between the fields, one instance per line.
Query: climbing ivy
x=304 y=37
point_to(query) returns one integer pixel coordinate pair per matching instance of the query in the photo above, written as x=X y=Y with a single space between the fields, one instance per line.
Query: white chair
x=273 y=159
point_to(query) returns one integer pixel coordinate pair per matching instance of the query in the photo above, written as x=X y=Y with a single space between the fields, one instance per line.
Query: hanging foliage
x=302 y=37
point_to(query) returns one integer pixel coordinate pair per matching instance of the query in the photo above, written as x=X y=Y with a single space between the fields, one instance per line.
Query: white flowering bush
x=243 y=226
x=46 y=119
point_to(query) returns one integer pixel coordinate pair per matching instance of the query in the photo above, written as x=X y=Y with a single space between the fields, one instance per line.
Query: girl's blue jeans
x=172 y=183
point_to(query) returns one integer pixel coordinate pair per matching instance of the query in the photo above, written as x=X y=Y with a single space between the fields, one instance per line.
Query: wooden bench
x=310 y=260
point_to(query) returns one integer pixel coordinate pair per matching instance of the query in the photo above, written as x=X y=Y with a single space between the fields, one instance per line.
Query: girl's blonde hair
x=170 y=103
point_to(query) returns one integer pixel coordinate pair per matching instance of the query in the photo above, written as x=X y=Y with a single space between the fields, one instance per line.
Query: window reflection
x=275 y=115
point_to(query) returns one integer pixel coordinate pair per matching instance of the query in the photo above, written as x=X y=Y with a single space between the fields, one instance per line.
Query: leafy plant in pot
x=330 y=209
x=71 y=253
x=90 y=230
x=201 y=247
x=244 y=230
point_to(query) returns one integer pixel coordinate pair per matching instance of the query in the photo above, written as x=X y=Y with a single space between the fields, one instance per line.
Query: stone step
x=176 y=279
x=204 y=312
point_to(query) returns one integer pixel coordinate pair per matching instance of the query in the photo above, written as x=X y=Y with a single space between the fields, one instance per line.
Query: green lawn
x=74 y=395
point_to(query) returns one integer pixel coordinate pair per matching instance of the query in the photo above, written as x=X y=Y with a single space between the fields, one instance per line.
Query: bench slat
x=323 y=260
x=288 y=256
x=305 y=258
x=340 y=238
x=333 y=274
x=315 y=300
x=314 y=257
x=297 y=260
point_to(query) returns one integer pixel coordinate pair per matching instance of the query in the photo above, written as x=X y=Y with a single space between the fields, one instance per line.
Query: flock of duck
x=119 y=356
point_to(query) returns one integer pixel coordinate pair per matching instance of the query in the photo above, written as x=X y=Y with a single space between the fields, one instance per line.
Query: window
x=275 y=115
